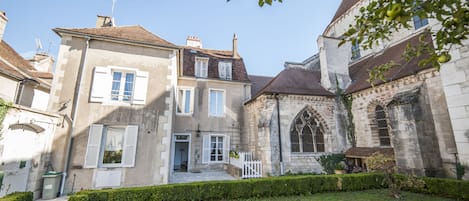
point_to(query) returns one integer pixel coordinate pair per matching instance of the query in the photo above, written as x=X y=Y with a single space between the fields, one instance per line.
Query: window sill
x=216 y=116
x=184 y=114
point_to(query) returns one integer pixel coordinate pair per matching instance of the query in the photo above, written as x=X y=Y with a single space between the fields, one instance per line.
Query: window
x=215 y=148
x=111 y=146
x=201 y=67
x=113 y=140
x=117 y=84
x=184 y=101
x=382 y=126
x=216 y=103
x=419 y=22
x=307 y=134
x=122 y=86
x=224 y=70
x=355 y=50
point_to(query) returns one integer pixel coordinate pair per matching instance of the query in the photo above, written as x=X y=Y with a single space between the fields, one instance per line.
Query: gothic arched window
x=382 y=126
x=307 y=133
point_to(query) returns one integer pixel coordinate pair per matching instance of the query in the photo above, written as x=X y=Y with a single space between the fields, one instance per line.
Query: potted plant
x=339 y=168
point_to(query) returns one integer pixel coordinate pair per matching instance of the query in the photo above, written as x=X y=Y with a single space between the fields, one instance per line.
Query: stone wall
x=432 y=107
x=455 y=77
x=263 y=131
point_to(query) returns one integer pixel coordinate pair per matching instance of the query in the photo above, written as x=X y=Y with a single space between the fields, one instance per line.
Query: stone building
x=114 y=85
x=212 y=86
x=417 y=113
x=26 y=132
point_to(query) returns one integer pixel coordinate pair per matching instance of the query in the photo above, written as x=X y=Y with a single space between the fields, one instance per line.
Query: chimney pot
x=3 y=23
x=104 y=21
x=193 y=41
x=235 y=46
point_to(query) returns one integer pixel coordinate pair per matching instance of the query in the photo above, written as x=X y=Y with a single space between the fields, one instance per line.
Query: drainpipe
x=279 y=135
x=76 y=102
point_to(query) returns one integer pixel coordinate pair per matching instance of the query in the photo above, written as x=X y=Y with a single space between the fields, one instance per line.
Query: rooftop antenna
x=38 y=45
x=112 y=8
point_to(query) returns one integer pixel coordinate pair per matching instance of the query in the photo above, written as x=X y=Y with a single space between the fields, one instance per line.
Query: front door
x=181 y=152
x=16 y=159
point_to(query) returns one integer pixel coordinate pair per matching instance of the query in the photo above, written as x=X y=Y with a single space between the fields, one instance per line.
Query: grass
x=368 y=195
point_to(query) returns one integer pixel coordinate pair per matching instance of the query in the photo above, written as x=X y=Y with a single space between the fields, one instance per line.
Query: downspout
x=76 y=102
x=279 y=135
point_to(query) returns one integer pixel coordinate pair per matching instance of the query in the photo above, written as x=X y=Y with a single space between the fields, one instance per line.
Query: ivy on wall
x=4 y=106
x=350 y=126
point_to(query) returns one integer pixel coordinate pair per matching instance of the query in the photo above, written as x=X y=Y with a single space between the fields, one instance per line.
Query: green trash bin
x=51 y=184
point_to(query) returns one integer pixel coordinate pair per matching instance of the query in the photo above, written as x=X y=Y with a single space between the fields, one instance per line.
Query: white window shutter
x=94 y=144
x=229 y=71
x=101 y=86
x=197 y=68
x=130 y=146
x=206 y=149
x=204 y=67
x=140 y=88
x=222 y=70
x=226 y=149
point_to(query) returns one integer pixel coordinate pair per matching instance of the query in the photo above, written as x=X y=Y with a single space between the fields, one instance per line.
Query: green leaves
x=269 y=2
x=380 y=19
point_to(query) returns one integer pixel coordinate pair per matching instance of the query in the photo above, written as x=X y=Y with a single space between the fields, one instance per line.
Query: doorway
x=181 y=152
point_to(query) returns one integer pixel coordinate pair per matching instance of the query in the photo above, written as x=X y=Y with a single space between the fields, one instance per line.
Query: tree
x=263 y=2
x=380 y=19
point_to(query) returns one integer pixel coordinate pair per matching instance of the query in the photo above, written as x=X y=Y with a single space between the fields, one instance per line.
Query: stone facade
x=263 y=131
x=26 y=145
x=72 y=95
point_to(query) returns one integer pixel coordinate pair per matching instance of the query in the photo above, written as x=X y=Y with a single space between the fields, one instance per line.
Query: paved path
x=185 y=177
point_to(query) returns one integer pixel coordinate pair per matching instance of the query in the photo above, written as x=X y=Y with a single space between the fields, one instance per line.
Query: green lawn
x=368 y=195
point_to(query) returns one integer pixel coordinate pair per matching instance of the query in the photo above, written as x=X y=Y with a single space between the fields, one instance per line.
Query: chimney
x=235 y=46
x=104 y=21
x=3 y=23
x=193 y=41
x=334 y=63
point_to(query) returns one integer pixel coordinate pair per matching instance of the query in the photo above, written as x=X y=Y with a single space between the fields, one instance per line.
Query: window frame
x=101 y=163
x=299 y=135
x=419 y=22
x=223 y=65
x=122 y=84
x=191 y=101
x=355 y=51
x=198 y=71
x=217 y=148
x=378 y=128
x=210 y=102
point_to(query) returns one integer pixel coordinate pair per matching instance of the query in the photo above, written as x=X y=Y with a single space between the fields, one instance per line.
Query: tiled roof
x=8 y=54
x=258 y=82
x=296 y=81
x=136 y=34
x=359 y=72
x=363 y=152
x=238 y=68
x=43 y=75
x=344 y=6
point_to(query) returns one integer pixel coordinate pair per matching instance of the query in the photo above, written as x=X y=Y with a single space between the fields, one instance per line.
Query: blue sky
x=267 y=37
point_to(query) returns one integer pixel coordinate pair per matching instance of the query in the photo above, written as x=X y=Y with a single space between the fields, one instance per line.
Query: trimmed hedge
x=18 y=196
x=449 y=188
x=223 y=190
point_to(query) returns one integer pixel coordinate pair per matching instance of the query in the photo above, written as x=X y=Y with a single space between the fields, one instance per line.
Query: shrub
x=223 y=190
x=18 y=196
x=450 y=188
x=329 y=162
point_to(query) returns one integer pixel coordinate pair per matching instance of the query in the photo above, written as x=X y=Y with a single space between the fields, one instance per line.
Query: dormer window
x=225 y=70
x=355 y=50
x=201 y=67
